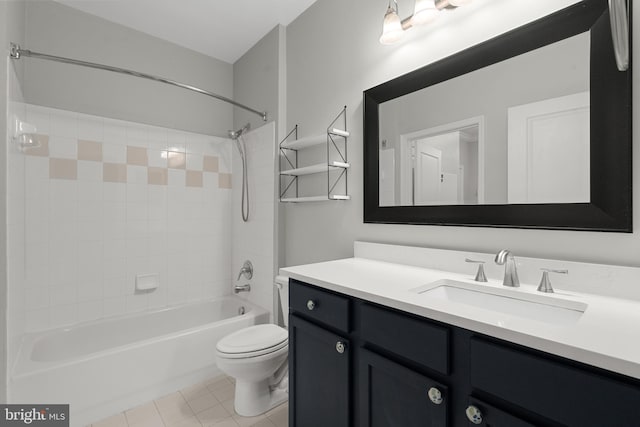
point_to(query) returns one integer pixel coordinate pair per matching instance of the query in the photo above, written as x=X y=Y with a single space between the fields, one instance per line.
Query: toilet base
x=256 y=398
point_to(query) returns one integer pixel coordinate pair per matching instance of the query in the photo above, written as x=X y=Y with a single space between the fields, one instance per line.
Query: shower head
x=235 y=134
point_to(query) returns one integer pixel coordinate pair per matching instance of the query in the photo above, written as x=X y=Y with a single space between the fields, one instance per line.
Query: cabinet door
x=394 y=396
x=490 y=416
x=319 y=380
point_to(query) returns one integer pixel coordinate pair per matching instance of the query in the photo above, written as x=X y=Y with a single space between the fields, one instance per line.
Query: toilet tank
x=281 y=301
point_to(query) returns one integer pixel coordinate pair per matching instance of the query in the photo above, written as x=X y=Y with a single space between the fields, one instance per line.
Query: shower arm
x=16 y=53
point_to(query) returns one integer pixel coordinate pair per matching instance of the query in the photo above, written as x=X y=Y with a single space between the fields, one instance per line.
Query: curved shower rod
x=17 y=53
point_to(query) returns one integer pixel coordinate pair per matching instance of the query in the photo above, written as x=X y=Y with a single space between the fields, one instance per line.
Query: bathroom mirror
x=531 y=129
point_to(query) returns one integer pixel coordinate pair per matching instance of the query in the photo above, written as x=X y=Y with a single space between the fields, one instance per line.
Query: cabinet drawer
x=417 y=340
x=559 y=391
x=319 y=305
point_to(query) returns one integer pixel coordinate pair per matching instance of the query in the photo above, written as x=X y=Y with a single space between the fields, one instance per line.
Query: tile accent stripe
x=93 y=151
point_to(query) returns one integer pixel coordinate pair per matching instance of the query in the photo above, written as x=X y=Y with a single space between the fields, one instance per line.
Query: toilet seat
x=253 y=341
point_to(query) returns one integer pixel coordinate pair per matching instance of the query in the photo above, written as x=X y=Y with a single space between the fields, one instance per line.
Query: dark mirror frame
x=610 y=98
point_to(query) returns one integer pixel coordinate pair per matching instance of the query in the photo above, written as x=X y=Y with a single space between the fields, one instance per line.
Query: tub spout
x=241 y=288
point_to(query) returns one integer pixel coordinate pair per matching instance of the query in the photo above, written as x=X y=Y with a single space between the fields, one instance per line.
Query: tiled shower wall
x=107 y=200
x=254 y=240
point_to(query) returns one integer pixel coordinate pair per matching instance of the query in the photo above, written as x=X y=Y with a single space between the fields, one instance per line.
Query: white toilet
x=257 y=357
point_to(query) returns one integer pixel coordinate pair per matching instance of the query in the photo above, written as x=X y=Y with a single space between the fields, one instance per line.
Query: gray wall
x=332 y=57
x=255 y=81
x=11 y=29
x=59 y=30
x=259 y=82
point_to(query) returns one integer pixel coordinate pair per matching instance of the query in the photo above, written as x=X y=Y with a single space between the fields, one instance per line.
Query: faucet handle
x=480 y=276
x=545 y=282
x=246 y=270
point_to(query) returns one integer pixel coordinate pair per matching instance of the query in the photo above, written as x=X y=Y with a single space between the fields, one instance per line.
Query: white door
x=548 y=151
x=428 y=173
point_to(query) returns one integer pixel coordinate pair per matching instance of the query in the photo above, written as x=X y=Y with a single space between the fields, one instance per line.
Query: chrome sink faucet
x=504 y=257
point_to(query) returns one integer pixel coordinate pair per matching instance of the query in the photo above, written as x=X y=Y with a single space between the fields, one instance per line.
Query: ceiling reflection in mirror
x=513 y=132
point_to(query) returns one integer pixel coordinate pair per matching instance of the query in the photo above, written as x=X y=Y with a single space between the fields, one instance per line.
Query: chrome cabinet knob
x=435 y=395
x=340 y=347
x=311 y=304
x=474 y=414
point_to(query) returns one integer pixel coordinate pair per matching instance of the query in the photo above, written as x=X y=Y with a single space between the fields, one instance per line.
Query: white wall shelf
x=335 y=139
x=315 y=199
x=318 y=168
x=310 y=141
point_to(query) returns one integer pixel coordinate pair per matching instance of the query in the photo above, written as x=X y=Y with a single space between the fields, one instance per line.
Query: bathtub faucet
x=241 y=288
x=246 y=270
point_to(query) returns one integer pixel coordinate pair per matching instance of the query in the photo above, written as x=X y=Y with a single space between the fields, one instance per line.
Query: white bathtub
x=103 y=367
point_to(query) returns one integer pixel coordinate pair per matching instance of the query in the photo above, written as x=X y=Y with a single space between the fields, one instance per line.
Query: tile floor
x=207 y=404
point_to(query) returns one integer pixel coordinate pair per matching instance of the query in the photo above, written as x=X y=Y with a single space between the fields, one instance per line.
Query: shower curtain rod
x=17 y=53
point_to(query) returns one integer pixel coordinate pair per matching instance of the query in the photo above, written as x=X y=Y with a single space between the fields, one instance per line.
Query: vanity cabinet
x=355 y=363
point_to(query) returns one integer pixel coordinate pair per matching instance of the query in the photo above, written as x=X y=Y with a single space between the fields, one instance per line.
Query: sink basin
x=513 y=302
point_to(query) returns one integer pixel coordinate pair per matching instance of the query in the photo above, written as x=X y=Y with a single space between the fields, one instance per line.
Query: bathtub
x=104 y=367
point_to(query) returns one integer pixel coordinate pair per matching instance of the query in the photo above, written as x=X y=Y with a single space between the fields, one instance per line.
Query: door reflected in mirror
x=438 y=166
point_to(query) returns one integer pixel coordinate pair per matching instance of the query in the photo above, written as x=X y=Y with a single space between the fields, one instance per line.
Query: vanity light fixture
x=424 y=12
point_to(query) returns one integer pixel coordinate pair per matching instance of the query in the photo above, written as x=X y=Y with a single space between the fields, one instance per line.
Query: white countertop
x=606 y=335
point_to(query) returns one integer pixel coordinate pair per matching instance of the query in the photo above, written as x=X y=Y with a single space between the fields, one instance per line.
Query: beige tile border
x=224 y=180
x=137 y=156
x=194 y=179
x=88 y=150
x=210 y=164
x=114 y=172
x=42 y=150
x=157 y=176
x=63 y=169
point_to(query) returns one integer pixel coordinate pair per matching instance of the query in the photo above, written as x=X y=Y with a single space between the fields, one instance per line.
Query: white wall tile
x=90 y=128
x=157 y=158
x=90 y=290
x=63 y=295
x=177 y=178
x=63 y=315
x=89 y=171
x=83 y=242
x=114 y=192
x=90 y=310
x=63 y=124
x=37 y=298
x=115 y=132
x=136 y=303
x=114 y=153
x=114 y=287
x=37 y=320
x=39 y=117
x=137 y=193
x=114 y=306
x=114 y=264
x=63 y=147
x=137 y=175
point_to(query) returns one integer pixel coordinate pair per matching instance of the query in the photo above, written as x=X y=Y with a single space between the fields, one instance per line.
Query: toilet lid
x=253 y=339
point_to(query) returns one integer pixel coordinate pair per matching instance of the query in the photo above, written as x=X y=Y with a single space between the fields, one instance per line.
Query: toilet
x=257 y=357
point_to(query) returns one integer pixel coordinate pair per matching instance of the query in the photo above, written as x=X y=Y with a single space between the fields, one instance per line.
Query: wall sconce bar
x=425 y=11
